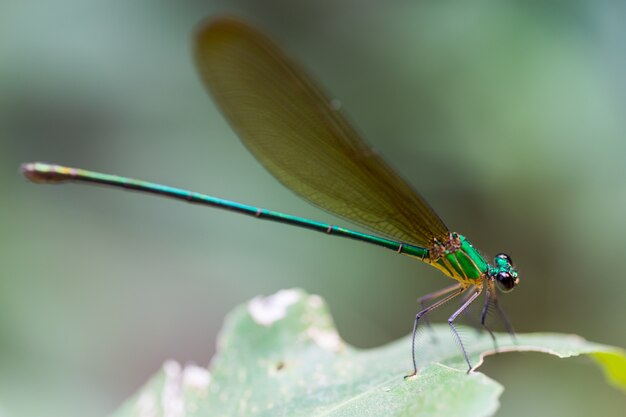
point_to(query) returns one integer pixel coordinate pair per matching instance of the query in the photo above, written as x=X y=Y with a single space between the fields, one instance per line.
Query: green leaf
x=281 y=355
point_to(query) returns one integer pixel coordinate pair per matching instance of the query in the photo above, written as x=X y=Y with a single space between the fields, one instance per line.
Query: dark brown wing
x=294 y=130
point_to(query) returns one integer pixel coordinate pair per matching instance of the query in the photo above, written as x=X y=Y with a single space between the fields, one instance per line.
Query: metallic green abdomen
x=463 y=264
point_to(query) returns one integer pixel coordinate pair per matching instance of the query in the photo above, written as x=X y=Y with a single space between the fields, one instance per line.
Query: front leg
x=505 y=320
x=489 y=297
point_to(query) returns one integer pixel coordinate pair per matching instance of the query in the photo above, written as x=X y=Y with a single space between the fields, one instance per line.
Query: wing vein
x=291 y=127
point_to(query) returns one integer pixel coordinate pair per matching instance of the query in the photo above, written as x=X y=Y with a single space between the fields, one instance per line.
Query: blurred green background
x=507 y=116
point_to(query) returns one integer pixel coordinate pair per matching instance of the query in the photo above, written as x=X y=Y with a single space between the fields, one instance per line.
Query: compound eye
x=505 y=257
x=505 y=281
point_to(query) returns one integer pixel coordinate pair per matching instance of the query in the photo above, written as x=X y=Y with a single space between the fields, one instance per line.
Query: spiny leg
x=489 y=297
x=433 y=295
x=458 y=289
x=504 y=318
x=456 y=333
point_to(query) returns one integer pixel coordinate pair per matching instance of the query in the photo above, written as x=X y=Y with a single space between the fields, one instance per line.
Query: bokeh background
x=508 y=116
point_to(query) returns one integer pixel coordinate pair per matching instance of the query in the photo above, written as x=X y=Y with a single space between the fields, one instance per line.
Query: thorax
x=458 y=259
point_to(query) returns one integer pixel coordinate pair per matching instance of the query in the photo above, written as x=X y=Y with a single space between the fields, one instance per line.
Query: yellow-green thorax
x=458 y=259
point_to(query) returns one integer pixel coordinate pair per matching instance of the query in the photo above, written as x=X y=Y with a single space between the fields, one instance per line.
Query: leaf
x=282 y=356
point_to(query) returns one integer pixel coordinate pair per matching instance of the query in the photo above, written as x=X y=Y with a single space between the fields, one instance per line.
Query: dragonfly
x=300 y=136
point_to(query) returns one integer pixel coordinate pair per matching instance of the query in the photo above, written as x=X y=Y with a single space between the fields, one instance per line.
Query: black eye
x=505 y=257
x=505 y=281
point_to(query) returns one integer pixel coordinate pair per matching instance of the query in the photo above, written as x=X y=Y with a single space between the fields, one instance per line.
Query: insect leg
x=489 y=297
x=503 y=317
x=454 y=330
x=456 y=290
x=428 y=297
